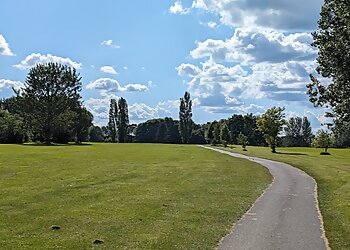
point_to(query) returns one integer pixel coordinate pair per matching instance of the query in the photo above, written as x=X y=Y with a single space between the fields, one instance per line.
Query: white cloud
x=37 y=58
x=275 y=14
x=212 y=24
x=4 y=47
x=247 y=46
x=4 y=83
x=177 y=8
x=108 y=70
x=140 y=111
x=111 y=85
x=110 y=43
x=126 y=68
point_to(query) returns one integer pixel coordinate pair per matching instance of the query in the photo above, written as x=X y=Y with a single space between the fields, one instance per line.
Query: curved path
x=285 y=217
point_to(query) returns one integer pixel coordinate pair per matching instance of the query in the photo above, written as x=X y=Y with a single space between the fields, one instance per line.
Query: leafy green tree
x=11 y=128
x=50 y=90
x=306 y=132
x=322 y=139
x=332 y=41
x=210 y=133
x=271 y=124
x=185 y=116
x=82 y=123
x=216 y=133
x=96 y=134
x=113 y=120
x=123 y=120
x=225 y=134
x=242 y=140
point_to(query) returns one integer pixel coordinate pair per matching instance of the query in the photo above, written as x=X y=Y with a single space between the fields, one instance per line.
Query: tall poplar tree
x=185 y=116
x=123 y=120
x=112 y=123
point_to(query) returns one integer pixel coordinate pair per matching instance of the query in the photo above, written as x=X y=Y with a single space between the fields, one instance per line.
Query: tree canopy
x=332 y=40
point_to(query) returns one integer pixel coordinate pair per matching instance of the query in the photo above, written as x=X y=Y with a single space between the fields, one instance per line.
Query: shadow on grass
x=289 y=153
x=56 y=145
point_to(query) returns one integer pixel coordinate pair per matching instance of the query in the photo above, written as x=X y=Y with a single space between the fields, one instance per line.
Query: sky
x=233 y=56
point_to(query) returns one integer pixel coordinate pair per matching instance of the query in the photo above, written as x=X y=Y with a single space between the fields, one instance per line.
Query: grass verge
x=131 y=196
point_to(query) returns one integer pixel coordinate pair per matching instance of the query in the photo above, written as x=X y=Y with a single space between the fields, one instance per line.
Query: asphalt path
x=285 y=217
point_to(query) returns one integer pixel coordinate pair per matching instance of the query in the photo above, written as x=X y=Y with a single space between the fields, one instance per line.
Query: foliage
x=298 y=132
x=225 y=134
x=333 y=43
x=158 y=131
x=96 y=134
x=341 y=132
x=323 y=139
x=242 y=140
x=50 y=90
x=245 y=124
x=122 y=120
x=271 y=124
x=113 y=120
x=185 y=116
x=11 y=128
x=216 y=133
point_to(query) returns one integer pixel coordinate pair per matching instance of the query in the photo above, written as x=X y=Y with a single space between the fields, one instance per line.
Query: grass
x=332 y=174
x=130 y=196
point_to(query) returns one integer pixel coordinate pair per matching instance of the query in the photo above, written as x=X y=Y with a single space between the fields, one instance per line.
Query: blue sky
x=236 y=56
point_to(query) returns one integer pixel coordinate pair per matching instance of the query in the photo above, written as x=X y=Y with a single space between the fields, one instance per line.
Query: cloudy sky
x=233 y=56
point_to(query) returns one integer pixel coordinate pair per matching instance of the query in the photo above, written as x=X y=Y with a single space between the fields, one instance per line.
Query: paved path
x=285 y=217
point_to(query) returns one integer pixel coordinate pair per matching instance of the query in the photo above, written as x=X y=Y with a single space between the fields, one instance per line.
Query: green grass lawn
x=332 y=174
x=129 y=195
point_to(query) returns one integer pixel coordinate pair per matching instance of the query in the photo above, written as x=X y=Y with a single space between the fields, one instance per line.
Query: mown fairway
x=332 y=174
x=130 y=196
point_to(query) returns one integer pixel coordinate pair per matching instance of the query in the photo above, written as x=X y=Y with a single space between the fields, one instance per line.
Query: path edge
x=320 y=217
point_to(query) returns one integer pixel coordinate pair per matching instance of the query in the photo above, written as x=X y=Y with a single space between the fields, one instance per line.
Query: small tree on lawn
x=224 y=134
x=185 y=116
x=322 y=140
x=271 y=124
x=242 y=140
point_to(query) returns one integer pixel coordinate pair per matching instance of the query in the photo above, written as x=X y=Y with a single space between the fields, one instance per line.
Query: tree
x=293 y=132
x=322 y=140
x=185 y=116
x=11 y=128
x=242 y=140
x=333 y=43
x=113 y=120
x=210 y=133
x=123 y=120
x=306 y=132
x=216 y=133
x=96 y=134
x=224 y=134
x=82 y=123
x=50 y=90
x=271 y=124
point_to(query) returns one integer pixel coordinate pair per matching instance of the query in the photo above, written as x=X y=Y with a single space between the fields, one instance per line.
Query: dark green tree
x=50 y=90
x=82 y=122
x=323 y=139
x=123 y=120
x=332 y=40
x=185 y=116
x=306 y=132
x=216 y=134
x=225 y=134
x=96 y=134
x=210 y=133
x=113 y=120
x=11 y=128
x=271 y=124
x=242 y=140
